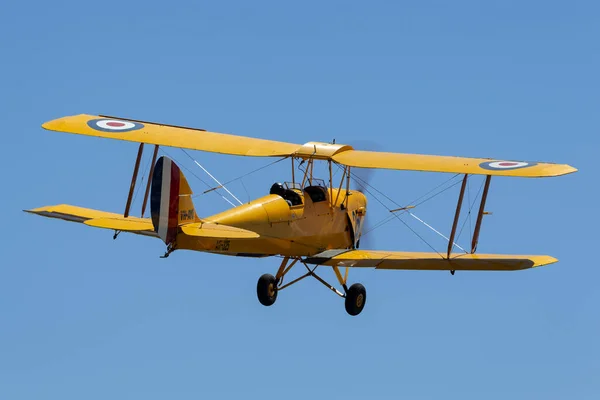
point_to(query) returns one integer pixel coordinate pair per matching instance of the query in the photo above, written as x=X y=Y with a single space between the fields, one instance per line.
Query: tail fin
x=171 y=202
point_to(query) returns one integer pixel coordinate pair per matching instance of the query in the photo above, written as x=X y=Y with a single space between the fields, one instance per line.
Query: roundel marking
x=505 y=165
x=113 y=125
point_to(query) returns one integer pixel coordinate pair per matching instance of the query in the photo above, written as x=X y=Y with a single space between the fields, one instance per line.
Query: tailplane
x=171 y=202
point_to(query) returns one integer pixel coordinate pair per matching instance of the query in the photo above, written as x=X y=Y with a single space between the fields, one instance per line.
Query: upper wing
x=428 y=261
x=458 y=165
x=198 y=139
x=169 y=135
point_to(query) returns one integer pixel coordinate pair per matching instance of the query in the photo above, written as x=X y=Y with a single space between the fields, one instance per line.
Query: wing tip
x=569 y=169
x=559 y=170
x=54 y=125
x=40 y=209
x=541 y=261
x=61 y=124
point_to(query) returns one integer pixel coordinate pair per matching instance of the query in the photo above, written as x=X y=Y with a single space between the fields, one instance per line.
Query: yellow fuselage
x=299 y=230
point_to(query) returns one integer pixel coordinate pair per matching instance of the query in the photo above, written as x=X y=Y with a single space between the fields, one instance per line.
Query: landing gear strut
x=268 y=286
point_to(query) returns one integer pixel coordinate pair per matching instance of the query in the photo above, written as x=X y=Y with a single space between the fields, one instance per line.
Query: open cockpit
x=294 y=195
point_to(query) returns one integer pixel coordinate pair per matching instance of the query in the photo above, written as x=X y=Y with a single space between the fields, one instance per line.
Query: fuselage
x=297 y=223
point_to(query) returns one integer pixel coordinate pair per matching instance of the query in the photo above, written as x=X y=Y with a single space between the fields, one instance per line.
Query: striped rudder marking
x=164 y=199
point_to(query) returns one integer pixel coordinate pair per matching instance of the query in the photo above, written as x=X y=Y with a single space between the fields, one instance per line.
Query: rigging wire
x=137 y=187
x=213 y=178
x=387 y=219
x=241 y=176
x=390 y=218
x=366 y=184
x=436 y=231
x=414 y=201
x=246 y=190
x=470 y=209
x=197 y=177
x=398 y=218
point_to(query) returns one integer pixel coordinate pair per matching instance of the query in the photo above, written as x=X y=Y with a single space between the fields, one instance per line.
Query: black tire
x=356 y=297
x=266 y=290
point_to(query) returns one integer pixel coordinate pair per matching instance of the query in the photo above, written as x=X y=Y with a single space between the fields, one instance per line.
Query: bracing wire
x=212 y=177
x=435 y=230
x=470 y=210
x=137 y=187
x=414 y=201
x=366 y=184
x=397 y=216
x=241 y=176
x=197 y=177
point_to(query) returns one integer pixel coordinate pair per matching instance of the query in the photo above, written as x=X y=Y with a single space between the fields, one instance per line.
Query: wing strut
x=149 y=180
x=480 y=214
x=457 y=215
x=136 y=168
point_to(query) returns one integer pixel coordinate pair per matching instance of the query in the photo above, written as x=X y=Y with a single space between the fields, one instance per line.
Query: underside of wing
x=457 y=165
x=169 y=135
x=428 y=261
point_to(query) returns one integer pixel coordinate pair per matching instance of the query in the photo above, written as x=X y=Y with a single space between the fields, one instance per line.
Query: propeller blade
x=360 y=180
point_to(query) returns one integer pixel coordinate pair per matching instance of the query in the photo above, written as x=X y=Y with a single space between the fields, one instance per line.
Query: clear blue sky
x=86 y=317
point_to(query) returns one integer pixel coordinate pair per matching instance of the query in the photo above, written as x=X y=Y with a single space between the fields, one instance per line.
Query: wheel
x=356 y=296
x=266 y=289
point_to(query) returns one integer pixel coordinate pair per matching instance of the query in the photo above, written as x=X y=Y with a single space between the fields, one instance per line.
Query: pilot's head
x=277 y=188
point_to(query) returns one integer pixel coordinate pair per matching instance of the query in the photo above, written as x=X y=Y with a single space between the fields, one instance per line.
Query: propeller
x=360 y=180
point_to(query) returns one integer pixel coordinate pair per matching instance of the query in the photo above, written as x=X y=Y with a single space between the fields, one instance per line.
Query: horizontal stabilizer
x=428 y=261
x=217 y=231
x=121 y=224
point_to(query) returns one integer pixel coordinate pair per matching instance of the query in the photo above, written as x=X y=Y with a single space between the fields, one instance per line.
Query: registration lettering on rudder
x=186 y=215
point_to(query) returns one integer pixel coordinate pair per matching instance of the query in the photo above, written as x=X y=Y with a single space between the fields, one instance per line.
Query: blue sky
x=84 y=316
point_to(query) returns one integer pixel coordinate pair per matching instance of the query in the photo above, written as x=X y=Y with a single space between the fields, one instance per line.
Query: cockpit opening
x=316 y=193
x=289 y=195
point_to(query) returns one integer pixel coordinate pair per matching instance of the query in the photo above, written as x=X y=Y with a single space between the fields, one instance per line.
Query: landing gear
x=266 y=289
x=356 y=296
x=268 y=286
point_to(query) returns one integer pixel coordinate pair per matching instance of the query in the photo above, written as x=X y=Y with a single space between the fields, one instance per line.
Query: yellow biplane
x=306 y=221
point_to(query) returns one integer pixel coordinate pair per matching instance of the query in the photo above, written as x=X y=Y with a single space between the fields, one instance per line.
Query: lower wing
x=428 y=261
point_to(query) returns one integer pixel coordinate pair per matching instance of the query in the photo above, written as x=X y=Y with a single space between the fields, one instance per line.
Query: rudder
x=171 y=202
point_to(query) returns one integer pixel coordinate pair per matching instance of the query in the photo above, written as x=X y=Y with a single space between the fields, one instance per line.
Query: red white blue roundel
x=505 y=165
x=113 y=125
